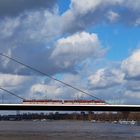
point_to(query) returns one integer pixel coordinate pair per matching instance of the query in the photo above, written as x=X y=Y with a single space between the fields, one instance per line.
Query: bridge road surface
x=64 y=107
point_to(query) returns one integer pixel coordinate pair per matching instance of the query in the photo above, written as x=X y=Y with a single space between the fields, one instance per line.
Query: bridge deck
x=63 y=107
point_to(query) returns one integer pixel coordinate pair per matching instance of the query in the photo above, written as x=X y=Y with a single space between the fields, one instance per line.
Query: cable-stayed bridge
x=62 y=106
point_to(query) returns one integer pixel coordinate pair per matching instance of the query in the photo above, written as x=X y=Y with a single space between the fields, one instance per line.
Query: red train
x=84 y=102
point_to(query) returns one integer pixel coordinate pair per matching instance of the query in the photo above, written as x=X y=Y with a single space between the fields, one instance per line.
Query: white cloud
x=131 y=65
x=85 y=13
x=55 y=90
x=132 y=95
x=45 y=91
x=84 y=6
x=9 y=80
x=34 y=32
x=105 y=78
x=49 y=91
x=8 y=27
x=27 y=26
x=29 y=38
x=112 y=16
x=76 y=48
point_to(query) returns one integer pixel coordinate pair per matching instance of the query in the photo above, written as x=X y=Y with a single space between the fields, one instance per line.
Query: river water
x=66 y=130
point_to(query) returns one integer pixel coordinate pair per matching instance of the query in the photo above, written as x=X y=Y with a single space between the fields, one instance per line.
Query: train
x=65 y=102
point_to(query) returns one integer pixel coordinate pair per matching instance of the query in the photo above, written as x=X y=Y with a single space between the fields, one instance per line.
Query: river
x=66 y=130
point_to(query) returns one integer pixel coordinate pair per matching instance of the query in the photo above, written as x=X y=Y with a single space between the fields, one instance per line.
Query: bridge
x=63 y=107
x=45 y=107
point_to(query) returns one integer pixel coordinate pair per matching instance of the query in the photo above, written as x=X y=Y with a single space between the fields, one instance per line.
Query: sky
x=93 y=45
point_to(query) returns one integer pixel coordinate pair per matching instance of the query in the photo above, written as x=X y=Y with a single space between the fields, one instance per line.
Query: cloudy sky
x=93 y=45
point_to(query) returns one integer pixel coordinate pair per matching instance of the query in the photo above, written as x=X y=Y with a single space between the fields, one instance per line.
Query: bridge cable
x=12 y=93
x=43 y=73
